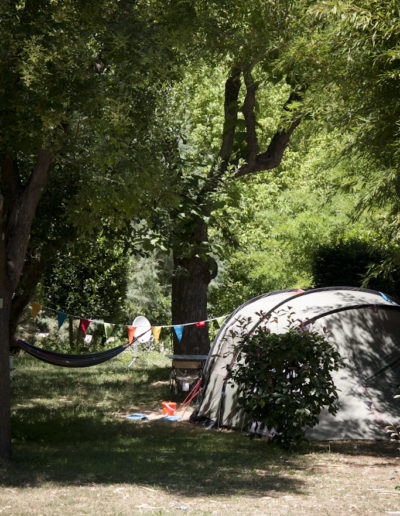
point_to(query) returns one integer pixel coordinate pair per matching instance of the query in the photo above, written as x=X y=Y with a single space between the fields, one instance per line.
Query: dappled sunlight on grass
x=74 y=452
x=66 y=430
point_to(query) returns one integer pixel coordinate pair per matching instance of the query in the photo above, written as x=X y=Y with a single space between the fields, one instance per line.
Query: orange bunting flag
x=84 y=324
x=36 y=309
x=200 y=324
x=156 y=330
x=131 y=333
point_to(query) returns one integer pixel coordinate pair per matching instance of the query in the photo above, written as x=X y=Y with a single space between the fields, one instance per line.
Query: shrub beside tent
x=363 y=325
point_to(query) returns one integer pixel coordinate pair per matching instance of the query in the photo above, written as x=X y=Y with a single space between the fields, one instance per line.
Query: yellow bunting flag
x=36 y=309
x=131 y=333
x=156 y=330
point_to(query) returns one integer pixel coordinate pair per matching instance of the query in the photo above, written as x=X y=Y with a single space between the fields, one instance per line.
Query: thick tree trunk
x=18 y=205
x=5 y=424
x=192 y=275
x=189 y=304
x=5 y=304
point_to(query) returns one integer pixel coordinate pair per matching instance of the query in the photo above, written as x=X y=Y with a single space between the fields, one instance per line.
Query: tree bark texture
x=192 y=275
x=18 y=203
x=189 y=304
x=5 y=305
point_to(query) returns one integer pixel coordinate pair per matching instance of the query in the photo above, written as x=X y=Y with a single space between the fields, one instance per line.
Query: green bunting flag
x=61 y=316
x=108 y=329
x=218 y=322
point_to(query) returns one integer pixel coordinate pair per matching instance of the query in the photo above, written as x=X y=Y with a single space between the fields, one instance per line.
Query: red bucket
x=169 y=408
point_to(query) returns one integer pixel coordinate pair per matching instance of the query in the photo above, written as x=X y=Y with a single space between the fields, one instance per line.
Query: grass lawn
x=75 y=453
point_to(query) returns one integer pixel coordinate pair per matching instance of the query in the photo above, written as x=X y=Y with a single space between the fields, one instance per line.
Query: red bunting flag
x=201 y=323
x=131 y=333
x=299 y=291
x=84 y=324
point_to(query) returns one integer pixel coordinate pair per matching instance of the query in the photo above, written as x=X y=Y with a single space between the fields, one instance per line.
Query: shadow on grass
x=174 y=456
x=65 y=432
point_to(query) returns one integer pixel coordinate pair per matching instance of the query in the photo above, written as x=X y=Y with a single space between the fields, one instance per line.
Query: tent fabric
x=70 y=360
x=363 y=325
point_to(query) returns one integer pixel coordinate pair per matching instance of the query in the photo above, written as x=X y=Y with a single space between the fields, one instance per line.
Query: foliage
x=88 y=279
x=347 y=263
x=349 y=61
x=276 y=220
x=148 y=288
x=284 y=380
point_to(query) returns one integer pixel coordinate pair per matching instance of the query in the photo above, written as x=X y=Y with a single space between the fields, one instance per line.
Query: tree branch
x=250 y=117
x=20 y=215
x=272 y=157
x=231 y=109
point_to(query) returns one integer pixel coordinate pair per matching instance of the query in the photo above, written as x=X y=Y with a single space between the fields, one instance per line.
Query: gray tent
x=363 y=325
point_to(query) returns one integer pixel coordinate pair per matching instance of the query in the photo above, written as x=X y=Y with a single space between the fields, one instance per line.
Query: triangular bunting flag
x=84 y=325
x=36 y=309
x=218 y=322
x=61 y=316
x=179 y=330
x=156 y=330
x=108 y=329
x=299 y=291
x=131 y=333
x=200 y=324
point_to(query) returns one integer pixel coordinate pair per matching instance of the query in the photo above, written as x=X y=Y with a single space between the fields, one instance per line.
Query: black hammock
x=70 y=360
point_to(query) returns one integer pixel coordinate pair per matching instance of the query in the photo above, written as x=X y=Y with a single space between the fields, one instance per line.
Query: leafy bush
x=285 y=380
x=351 y=263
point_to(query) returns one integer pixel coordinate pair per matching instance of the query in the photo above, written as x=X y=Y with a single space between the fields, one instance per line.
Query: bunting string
x=109 y=327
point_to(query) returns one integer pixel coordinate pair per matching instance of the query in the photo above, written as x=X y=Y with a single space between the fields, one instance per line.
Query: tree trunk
x=189 y=304
x=192 y=275
x=18 y=205
x=5 y=411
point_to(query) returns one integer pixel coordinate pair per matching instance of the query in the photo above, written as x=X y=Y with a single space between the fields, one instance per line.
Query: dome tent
x=363 y=325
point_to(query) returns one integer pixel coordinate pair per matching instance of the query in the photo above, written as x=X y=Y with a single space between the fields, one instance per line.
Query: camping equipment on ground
x=169 y=408
x=137 y=416
x=186 y=370
x=363 y=325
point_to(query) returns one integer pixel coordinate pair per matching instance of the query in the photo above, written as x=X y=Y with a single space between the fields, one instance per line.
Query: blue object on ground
x=138 y=417
x=171 y=418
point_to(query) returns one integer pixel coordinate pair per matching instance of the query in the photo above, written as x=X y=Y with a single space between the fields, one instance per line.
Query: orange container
x=169 y=408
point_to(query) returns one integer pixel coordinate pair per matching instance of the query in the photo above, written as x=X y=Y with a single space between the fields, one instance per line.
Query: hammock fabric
x=70 y=360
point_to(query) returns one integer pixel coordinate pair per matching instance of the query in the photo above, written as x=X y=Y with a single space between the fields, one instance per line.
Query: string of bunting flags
x=84 y=323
